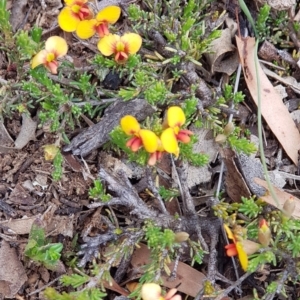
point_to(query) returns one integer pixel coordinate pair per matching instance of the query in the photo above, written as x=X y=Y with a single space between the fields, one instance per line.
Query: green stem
x=259 y=122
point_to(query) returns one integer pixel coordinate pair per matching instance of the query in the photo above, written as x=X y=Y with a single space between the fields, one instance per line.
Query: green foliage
x=167 y=194
x=196 y=159
x=98 y=192
x=5 y=26
x=241 y=145
x=272 y=287
x=57 y=164
x=27 y=44
x=156 y=93
x=87 y=294
x=221 y=209
x=158 y=239
x=294 y=245
x=84 y=84
x=196 y=252
x=129 y=93
x=74 y=280
x=261 y=258
x=190 y=107
x=261 y=23
x=229 y=97
x=162 y=244
x=135 y=14
x=40 y=250
x=249 y=207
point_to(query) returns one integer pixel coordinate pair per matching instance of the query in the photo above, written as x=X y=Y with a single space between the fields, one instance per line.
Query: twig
x=154 y=190
x=234 y=285
x=44 y=287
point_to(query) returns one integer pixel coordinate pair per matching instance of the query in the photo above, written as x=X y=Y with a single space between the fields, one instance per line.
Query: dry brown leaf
x=20 y=196
x=12 y=272
x=188 y=280
x=20 y=226
x=273 y=110
x=234 y=180
x=56 y=224
x=27 y=132
x=222 y=47
x=282 y=196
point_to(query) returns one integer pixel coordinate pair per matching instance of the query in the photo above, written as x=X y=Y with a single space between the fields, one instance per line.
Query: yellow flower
x=175 y=118
x=87 y=28
x=141 y=137
x=50 y=151
x=120 y=46
x=240 y=247
x=55 y=47
x=73 y=13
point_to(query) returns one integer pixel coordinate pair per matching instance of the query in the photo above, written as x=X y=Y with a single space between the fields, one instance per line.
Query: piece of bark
x=97 y=135
x=18 y=13
x=203 y=91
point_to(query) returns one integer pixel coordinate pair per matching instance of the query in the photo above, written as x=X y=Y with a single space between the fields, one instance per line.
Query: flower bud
x=181 y=236
x=264 y=233
x=221 y=138
x=229 y=128
x=289 y=207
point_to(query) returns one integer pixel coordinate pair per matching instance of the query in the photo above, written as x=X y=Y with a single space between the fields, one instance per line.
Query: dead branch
x=98 y=134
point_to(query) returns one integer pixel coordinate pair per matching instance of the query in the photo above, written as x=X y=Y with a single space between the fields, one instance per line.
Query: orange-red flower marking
x=240 y=247
x=140 y=137
x=87 y=28
x=120 y=46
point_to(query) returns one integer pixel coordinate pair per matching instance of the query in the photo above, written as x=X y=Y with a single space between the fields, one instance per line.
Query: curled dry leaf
x=273 y=110
x=223 y=47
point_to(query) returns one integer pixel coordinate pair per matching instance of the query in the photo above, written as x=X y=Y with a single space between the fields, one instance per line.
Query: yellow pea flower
x=108 y=15
x=120 y=46
x=141 y=137
x=240 y=247
x=175 y=118
x=73 y=13
x=55 y=47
